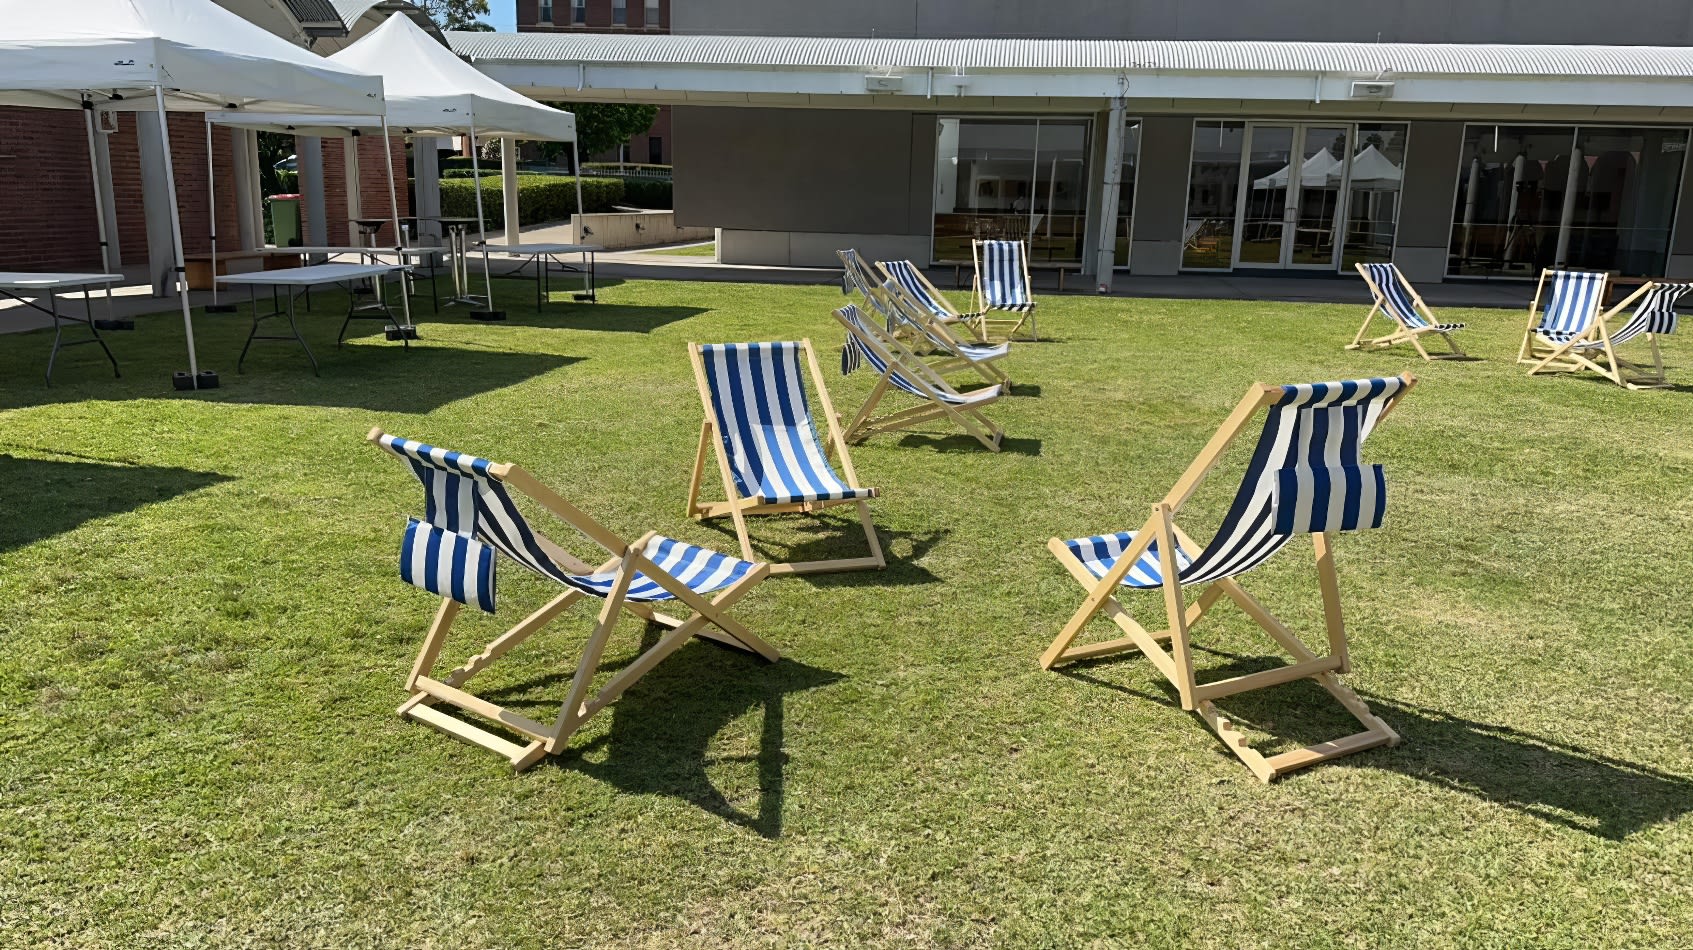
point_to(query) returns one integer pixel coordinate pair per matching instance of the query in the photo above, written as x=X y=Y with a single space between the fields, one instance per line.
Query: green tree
x=601 y=126
x=457 y=14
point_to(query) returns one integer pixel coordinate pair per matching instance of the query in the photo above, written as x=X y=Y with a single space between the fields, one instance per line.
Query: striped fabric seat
x=1396 y=300
x=910 y=280
x=470 y=514
x=898 y=319
x=1306 y=476
x=855 y=273
x=759 y=403
x=1002 y=273
x=859 y=351
x=1654 y=314
x=1574 y=305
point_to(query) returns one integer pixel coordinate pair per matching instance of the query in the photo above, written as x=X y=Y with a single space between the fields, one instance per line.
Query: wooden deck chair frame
x=973 y=323
x=739 y=509
x=1176 y=664
x=1535 y=350
x=855 y=270
x=1401 y=333
x=899 y=358
x=1006 y=327
x=946 y=358
x=581 y=701
x=1574 y=356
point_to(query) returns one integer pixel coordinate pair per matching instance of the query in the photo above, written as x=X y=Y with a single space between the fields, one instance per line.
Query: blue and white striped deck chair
x=927 y=295
x=1002 y=285
x=1571 y=309
x=901 y=369
x=1306 y=476
x=932 y=340
x=1654 y=314
x=471 y=519
x=1397 y=300
x=758 y=417
x=856 y=275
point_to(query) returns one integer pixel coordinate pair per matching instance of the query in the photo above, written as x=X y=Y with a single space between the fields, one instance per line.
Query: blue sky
x=504 y=15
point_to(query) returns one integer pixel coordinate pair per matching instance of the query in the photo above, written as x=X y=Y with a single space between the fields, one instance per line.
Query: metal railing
x=627 y=170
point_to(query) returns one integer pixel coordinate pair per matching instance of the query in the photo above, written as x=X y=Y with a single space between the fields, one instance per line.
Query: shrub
x=647 y=193
x=540 y=198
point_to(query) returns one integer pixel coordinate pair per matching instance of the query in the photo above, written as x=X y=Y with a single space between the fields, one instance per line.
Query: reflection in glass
x=1011 y=179
x=1126 y=197
x=1212 y=193
x=1375 y=176
x=1269 y=166
x=1620 y=217
x=1322 y=170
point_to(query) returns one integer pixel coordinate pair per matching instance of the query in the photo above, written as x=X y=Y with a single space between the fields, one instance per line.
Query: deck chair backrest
x=1395 y=295
x=904 y=311
x=1306 y=475
x=864 y=345
x=1574 y=303
x=760 y=407
x=1003 y=271
x=911 y=281
x=855 y=272
x=465 y=499
x=1656 y=311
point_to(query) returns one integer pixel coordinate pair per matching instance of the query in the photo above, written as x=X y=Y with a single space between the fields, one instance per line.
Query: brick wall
x=373 y=185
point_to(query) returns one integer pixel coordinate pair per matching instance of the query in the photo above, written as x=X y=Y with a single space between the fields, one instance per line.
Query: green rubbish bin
x=285 y=220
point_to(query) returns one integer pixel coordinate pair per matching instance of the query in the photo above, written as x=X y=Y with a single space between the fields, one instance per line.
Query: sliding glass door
x=1011 y=179
x=1291 y=200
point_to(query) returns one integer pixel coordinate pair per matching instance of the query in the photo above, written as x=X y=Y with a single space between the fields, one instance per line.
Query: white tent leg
x=181 y=270
x=99 y=202
x=576 y=219
x=481 y=220
x=212 y=220
x=394 y=209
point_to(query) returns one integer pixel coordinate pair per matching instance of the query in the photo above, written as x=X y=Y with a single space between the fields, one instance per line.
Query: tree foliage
x=601 y=126
x=457 y=14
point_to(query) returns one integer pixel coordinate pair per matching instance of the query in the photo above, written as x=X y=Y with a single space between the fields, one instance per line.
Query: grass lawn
x=708 y=249
x=206 y=636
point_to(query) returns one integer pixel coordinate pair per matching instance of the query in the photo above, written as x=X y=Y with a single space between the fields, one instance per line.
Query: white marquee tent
x=160 y=56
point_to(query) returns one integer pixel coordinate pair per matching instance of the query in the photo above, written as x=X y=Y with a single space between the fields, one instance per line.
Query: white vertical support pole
x=508 y=188
x=1567 y=214
x=481 y=220
x=250 y=227
x=212 y=210
x=576 y=218
x=394 y=216
x=1105 y=263
x=309 y=148
x=350 y=174
x=428 y=167
x=99 y=200
x=159 y=208
x=181 y=271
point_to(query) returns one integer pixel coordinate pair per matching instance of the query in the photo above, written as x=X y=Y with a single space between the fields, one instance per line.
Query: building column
x=1434 y=162
x=309 y=160
x=1160 y=218
x=155 y=201
x=1105 y=225
x=249 y=218
x=350 y=173
x=508 y=174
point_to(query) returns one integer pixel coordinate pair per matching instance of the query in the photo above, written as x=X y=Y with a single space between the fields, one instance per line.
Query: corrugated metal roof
x=313 y=12
x=1367 y=59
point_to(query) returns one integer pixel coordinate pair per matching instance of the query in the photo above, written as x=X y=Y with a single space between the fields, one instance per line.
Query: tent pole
x=576 y=219
x=99 y=201
x=482 y=222
x=176 y=240
x=399 y=244
x=212 y=219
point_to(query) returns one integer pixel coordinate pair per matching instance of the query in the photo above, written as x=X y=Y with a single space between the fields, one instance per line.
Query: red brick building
x=608 y=16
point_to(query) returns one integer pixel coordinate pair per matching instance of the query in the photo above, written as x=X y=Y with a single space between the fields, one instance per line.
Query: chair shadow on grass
x=837 y=535
x=662 y=730
x=65 y=493
x=963 y=442
x=1539 y=776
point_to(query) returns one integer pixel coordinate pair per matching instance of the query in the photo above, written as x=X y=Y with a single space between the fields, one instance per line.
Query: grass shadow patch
x=357 y=377
x=65 y=494
x=968 y=443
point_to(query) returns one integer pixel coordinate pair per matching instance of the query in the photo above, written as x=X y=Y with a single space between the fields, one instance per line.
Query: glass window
x=655 y=150
x=579 y=12
x=546 y=11
x=1011 y=179
x=1126 y=193
x=1509 y=205
x=1213 y=192
x=619 y=12
x=1624 y=199
x=650 y=15
x=1374 y=176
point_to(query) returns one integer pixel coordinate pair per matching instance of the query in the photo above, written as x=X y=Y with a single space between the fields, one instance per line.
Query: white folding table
x=28 y=289
x=295 y=280
x=411 y=256
x=543 y=256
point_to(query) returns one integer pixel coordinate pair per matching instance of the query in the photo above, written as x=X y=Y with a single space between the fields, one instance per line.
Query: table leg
x=88 y=308
x=58 y=332
x=296 y=328
x=253 y=297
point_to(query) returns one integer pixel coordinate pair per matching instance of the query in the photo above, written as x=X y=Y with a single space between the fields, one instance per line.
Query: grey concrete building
x=1463 y=139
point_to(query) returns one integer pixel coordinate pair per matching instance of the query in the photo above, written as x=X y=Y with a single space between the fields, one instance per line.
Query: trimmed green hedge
x=647 y=193
x=541 y=198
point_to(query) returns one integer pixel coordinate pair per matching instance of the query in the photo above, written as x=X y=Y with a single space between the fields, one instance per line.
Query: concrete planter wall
x=636 y=229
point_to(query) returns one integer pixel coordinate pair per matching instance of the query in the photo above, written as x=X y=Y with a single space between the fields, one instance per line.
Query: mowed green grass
x=205 y=638
x=707 y=249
